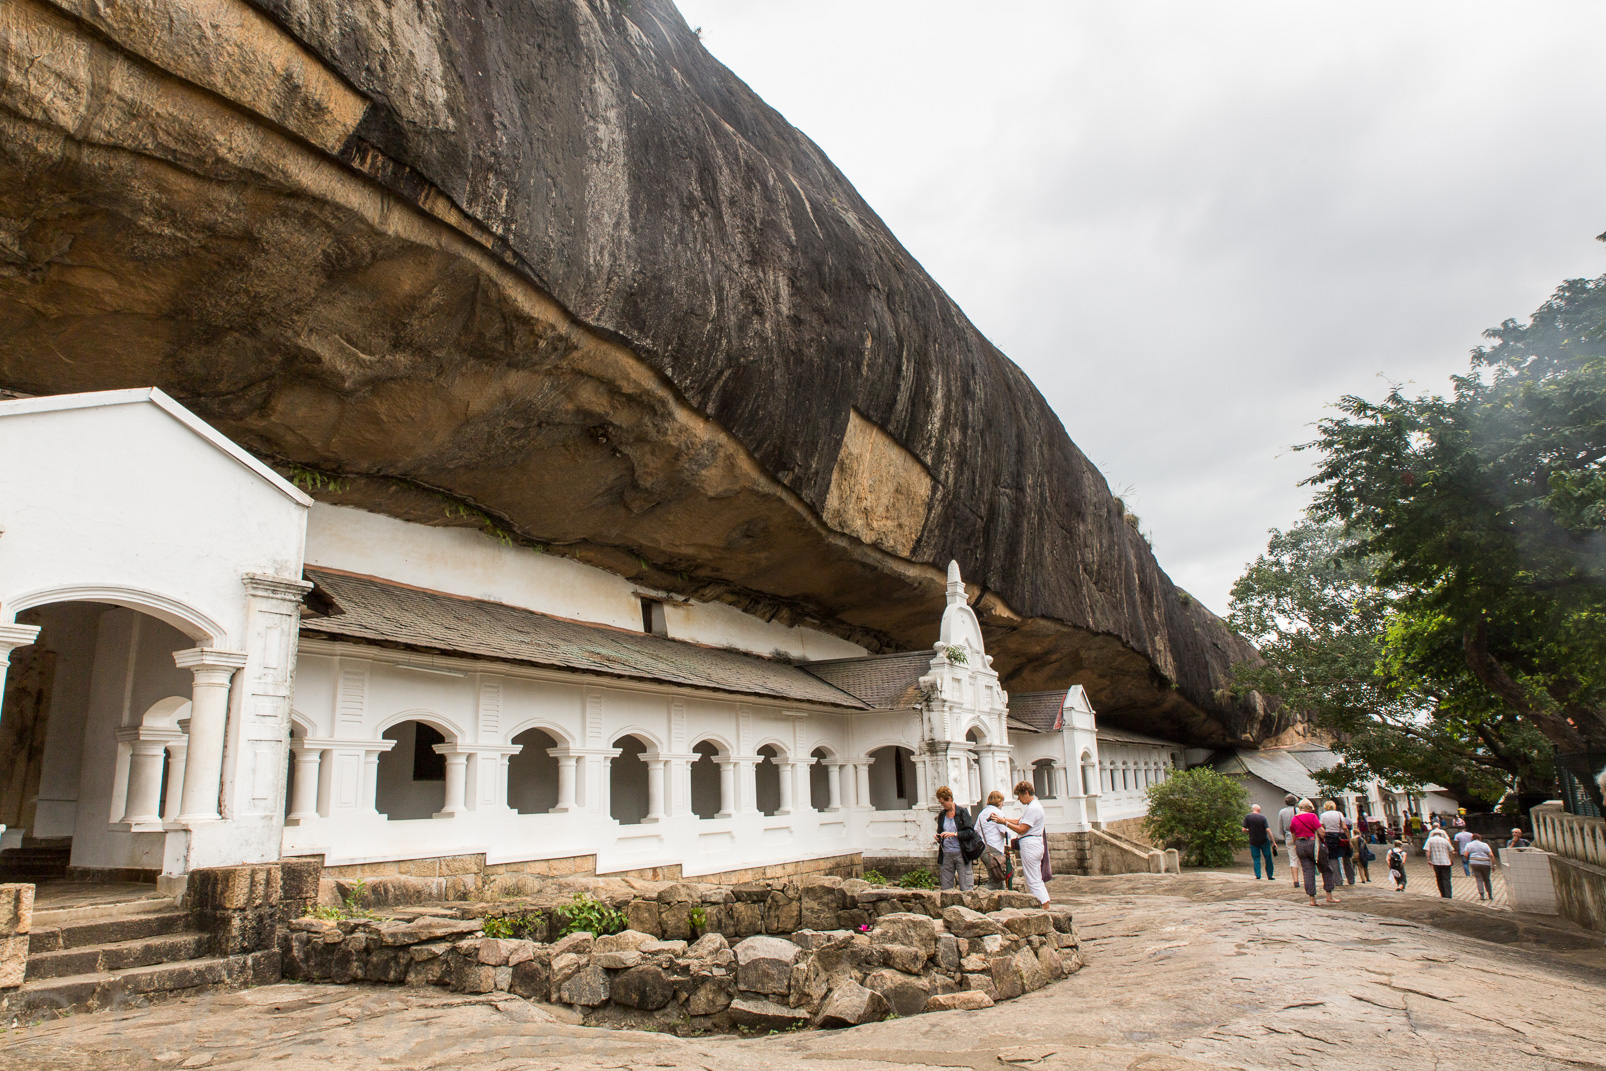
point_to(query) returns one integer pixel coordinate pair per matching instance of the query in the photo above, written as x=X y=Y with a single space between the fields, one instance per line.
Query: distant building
x=1270 y=774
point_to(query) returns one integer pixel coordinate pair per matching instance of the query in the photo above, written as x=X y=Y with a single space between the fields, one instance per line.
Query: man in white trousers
x=1032 y=842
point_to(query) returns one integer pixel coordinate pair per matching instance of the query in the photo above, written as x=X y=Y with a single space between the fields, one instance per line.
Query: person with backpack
x=1396 y=862
x=1363 y=858
x=1032 y=843
x=995 y=843
x=958 y=843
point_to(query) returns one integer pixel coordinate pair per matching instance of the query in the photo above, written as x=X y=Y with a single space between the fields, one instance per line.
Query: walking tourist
x=1032 y=846
x=958 y=843
x=1441 y=856
x=995 y=842
x=1396 y=862
x=1259 y=831
x=1285 y=821
x=1480 y=859
x=1336 y=840
x=1518 y=840
x=1312 y=853
x=1363 y=858
x=1462 y=839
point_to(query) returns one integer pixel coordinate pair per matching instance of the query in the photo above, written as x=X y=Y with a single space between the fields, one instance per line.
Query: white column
x=456 y=781
x=143 y=804
x=746 y=786
x=566 y=761
x=12 y=637
x=923 y=786
x=209 y=715
x=788 y=778
x=655 y=790
x=177 y=755
x=368 y=799
x=861 y=784
x=304 y=801
x=727 y=788
x=833 y=786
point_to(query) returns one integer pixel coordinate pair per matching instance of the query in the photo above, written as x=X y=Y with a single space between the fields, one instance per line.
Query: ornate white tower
x=964 y=738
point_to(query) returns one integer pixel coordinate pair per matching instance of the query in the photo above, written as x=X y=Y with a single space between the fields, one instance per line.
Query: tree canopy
x=1201 y=810
x=1443 y=605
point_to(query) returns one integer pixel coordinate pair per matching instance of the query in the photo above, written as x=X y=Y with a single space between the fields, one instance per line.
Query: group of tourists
x=1328 y=844
x=961 y=841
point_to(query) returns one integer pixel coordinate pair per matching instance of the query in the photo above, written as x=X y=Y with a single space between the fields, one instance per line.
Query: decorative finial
x=956 y=585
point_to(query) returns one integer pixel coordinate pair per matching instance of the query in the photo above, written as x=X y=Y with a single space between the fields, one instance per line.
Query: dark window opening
x=652 y=617
x=897 y=771
x=427 y=765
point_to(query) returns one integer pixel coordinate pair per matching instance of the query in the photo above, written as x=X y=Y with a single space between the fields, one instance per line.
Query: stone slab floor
x=1207 y=970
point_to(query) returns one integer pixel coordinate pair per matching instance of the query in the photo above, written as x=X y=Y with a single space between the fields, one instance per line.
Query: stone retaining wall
x=16 y=921
x=894 y=961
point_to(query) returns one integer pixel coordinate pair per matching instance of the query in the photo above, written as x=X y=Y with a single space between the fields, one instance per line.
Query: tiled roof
x=1036 y=709
x=385 y=612
x=882 y=682
x=1015 y=725
x=1276 y=766
x=1123 y=736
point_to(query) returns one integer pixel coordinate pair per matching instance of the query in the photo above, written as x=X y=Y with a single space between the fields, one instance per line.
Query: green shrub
x=875 y=877
x=698 y=918
x=587 y=914
x=350 y=908
x=1201 y=812
x=523 y=926
x=918 y=878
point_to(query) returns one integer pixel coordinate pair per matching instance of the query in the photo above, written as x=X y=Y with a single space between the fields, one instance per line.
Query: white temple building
x=207 y=668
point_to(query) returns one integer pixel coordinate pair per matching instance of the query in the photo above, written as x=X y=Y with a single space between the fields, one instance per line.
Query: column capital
x=209 y=658
x=266 y=586
x=14 y=636
x=450 y=748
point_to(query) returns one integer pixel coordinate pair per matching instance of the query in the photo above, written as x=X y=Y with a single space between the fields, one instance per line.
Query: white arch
x=783 y=752
x=551 y=728
x=166 y=713
x=719 y=742
x=655 y=746
x=832 y=754
x=300 y=721
x=187 y=619
x=428 y=717
x=979 y=729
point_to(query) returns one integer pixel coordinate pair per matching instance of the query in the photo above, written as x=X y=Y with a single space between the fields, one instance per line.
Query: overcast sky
x=1195 y=225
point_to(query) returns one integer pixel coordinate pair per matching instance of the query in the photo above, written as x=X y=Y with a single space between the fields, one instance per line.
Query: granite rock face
x=549 y=260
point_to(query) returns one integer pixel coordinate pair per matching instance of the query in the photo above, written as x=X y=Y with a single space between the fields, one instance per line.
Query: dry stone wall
x=761 y=956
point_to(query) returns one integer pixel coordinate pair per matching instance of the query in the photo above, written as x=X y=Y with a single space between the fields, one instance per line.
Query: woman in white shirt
x=995 y=842
x=1032 y=842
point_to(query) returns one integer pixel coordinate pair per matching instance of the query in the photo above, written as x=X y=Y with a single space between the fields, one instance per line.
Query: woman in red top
x=1307 y=828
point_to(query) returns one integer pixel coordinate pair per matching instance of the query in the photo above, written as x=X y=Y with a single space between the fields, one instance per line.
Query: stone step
x=50 y=997
x=104 y=931
x=117 y=956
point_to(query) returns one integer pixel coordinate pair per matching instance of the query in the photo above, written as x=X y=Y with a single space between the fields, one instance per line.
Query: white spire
x=956 y=586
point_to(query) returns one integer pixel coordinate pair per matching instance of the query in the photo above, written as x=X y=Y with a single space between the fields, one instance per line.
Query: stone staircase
x=36 y=860
x=89 y=957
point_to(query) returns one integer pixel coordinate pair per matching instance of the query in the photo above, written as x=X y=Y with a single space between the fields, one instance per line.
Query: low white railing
x=1569 y=835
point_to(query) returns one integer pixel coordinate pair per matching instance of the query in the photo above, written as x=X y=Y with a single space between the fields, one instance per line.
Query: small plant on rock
x=587 y=914
x=699 y=920
x=522 y=926
x=918 y=878
x=875 y=877
x=349 y=908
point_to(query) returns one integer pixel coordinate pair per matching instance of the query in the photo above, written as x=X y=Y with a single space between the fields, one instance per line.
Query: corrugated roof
x=882 y=682
x=1275 y=766
x=379 y=610
x=1036 y=709
x=1122 y=736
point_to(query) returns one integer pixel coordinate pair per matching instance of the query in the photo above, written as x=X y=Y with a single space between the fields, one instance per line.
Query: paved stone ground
x=1207 y=970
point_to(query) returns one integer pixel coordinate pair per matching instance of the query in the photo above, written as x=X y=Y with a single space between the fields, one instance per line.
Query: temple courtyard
x=1206 y=970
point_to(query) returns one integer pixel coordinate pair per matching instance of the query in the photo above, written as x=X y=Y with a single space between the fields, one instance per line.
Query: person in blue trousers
x=1259 y=831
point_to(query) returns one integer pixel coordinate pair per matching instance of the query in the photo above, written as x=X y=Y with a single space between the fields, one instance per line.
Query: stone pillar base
x=237 y=905
x=16 y=921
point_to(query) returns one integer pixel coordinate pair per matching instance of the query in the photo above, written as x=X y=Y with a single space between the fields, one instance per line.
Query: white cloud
x=1194 y=225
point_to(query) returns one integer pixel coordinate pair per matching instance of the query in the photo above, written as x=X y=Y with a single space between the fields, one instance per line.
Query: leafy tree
x=1201 y=811
x=1481 y=520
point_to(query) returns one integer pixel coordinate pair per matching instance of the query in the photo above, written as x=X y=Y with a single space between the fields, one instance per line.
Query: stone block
x=616 y=961
x=1067 y=940
x=576 y=944
x=820 y=904
x=765 y=1015
x=908 y=929
x=1024 y=923
x=531 y=979
x=680 y=893
x=973 y=963
x=16 y=909
x=13 y=960
x=751 y=892
x=707 y=946
x=1061 y=917
x=505 y=952
x=1010 y=898
x=589 y=986
x=947 y=956
x=980 y=981
x=674 y=921
x=1032 y=975
x=947 y=898
x=429 y=928
x=642 y=916
x=852 y=918
x=1053 y=966
x=1006 y=978
x=625 y=941
x=764 y=964
x=968 y=1000
x=851 y=1004
x=504 y=978
x=646 y=988
x=711 y=995
x=747 y=917
x=661 y=948
x=942 y=983
x=995 y=944
x=814 y=940
x=903 y=958
x=386 y=965
x=233 y=888
x=783 y=913
x=963 y=922
x=471 y=976
x=906 y=993
x=982 y=900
